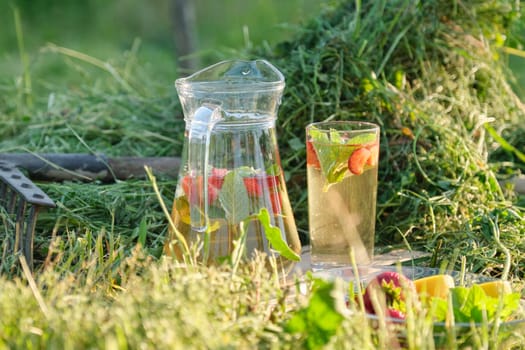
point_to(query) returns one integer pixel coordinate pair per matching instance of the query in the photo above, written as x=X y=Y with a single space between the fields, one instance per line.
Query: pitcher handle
x=201 y=126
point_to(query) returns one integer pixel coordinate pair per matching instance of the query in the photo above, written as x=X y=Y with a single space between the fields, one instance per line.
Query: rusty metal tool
x=21 y=200
x=89 y=167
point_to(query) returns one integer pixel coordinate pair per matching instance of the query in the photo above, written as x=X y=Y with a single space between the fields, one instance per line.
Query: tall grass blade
x=26 y=85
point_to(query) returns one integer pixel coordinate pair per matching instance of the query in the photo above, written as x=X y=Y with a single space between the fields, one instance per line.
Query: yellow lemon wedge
x=496 y=288
x=436 y=286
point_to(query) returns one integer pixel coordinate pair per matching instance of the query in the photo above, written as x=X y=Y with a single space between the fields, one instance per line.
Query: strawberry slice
x=213 y=191
x=374 y=155
x=357 y=160
x=394 y=313
x=219 y=172
x=311 y=156
x=194 y=192
x=272 y=181
x=216 y=178
x=275 y=199
x=215 y=181
x=255 y=185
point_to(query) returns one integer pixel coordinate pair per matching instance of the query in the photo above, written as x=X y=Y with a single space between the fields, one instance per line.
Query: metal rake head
x=21 y=200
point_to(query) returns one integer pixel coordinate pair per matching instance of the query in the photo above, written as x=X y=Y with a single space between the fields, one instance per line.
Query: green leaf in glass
x=234 y=198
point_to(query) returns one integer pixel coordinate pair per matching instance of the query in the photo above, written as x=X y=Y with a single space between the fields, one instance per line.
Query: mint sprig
x=333 y=151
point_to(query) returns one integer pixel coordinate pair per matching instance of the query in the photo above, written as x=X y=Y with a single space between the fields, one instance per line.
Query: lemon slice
x=496 y=288
x=436 y=286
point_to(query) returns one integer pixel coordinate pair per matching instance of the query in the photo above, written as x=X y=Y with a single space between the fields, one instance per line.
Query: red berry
x=193 y=187
x=389 y=287
x=256 y=185
x=275 y=199
x=311 y=156
x=186 y=184
x=394 y=313
x=374 y=155
x=357 y=160
x=272 y=181
x=213 y=193
x=253 y=186
x=215 y=182
x=219 y=172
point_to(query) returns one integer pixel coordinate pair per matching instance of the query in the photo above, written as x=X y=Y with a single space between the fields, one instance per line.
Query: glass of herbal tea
x=342 y=163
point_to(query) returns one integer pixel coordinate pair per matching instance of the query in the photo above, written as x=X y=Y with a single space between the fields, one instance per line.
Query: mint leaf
x=439 y=308
x=274 y=236
x=273 y=169
x=319 y=320
x=470 y=305
x=334 y=161
x=335 y=137
x=362 y=139
x=511 y=303
x=333 y=155
x=234 y=198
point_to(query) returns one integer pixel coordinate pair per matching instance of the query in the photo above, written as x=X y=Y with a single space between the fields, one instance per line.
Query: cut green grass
x=452 y=127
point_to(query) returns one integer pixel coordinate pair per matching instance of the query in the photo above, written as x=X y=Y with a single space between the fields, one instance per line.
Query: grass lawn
x=434 y=75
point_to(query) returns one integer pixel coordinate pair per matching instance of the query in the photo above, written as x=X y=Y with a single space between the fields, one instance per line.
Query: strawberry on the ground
x=389 y=289
x=357 y=160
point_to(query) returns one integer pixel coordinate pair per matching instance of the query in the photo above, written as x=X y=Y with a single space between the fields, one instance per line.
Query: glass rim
x=344 y=126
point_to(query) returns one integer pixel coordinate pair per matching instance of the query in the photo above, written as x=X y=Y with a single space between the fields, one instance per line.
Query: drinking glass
x=342 y=162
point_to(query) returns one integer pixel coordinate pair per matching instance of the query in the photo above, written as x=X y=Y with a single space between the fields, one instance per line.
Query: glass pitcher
x=230 y=167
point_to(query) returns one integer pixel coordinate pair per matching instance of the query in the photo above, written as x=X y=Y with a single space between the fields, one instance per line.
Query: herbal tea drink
x=342 y=162
x=243 y=191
